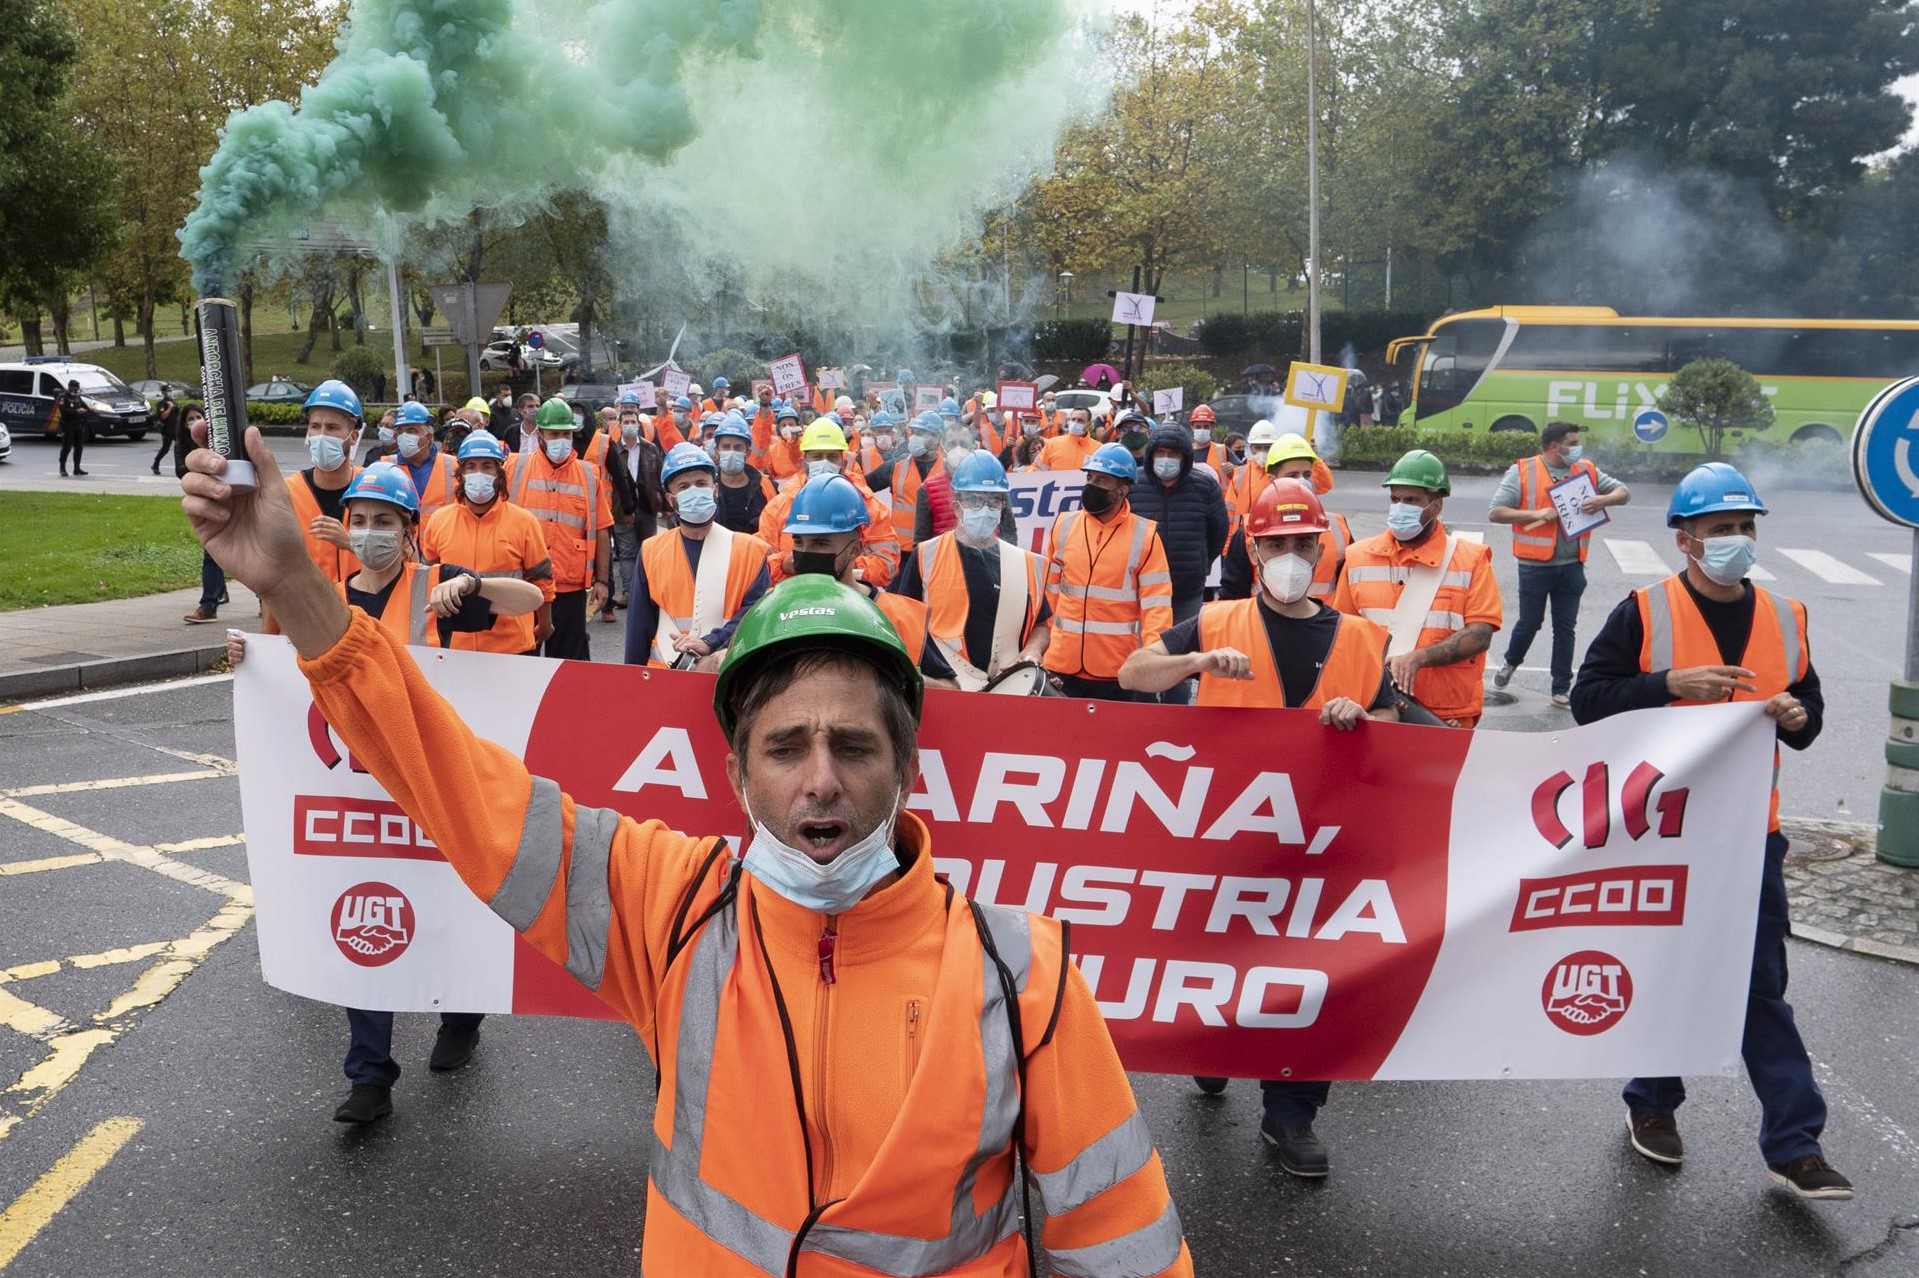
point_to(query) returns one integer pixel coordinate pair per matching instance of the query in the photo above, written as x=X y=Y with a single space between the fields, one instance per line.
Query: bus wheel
x=1510 y=424
x=1820 y=434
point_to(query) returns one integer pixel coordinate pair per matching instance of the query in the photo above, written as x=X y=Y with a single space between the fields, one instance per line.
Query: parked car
x=1239 y=412
x=278 y=390
x=590 y=397
x=151 y=390
x=30 y=389
x=1098 y=402
x=6 y=443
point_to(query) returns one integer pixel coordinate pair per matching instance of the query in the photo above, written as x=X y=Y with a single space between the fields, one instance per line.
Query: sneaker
x=1812 y=1177
x=366 y=1103
x=1300 y=1152
x=155 y=468
x=451 y=1050
x=1504 y=675
x=1656 y=1136
x=1211 y=1086
x=201 y=616
x=1563 y=700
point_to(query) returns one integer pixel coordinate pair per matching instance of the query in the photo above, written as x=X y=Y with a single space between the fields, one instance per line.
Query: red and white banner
x=1251 y=894
x=1038 y=497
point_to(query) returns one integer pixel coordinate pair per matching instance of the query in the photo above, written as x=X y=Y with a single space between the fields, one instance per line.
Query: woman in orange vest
x=1282 y=648
x=692 y=582
x=492 y=537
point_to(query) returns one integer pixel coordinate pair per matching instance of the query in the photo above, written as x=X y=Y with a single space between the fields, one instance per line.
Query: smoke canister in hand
x=223 y=374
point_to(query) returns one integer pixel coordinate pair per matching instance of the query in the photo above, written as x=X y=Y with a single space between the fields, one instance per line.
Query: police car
x=30 y=390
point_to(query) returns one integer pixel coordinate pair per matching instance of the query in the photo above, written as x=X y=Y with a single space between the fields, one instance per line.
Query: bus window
x=1455 y=360
x=1585 y=348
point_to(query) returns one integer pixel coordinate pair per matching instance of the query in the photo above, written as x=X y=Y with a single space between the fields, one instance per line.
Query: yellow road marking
x=115 y=783
x=201 y=845
x=49 y=863
x=27 y=1018
x=114 y=850
x=48 y=1196
x=11 y=709
x=83 y=962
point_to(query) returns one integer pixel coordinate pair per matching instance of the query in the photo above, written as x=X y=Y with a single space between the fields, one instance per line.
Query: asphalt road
x=194 y=1137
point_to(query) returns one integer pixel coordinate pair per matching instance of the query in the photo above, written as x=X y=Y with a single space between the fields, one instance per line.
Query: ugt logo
x=1586 y=993
x=1635 y=800
x=372 y=923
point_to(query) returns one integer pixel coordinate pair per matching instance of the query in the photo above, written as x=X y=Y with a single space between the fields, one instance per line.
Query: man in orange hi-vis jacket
x=859 y=998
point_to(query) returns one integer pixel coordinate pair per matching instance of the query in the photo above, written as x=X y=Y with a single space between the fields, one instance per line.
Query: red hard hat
x=1204 y=413
x=1286 y=508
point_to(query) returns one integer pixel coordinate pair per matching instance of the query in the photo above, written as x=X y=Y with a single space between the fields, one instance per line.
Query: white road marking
x=1901 y=562
x=111 y=694
x=1636 y=558
x=1822 y=565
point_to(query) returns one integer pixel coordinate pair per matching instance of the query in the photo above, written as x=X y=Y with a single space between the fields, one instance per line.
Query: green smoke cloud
x=827 y=150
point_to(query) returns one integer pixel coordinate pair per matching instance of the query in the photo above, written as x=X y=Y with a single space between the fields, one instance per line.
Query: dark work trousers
x=369 y=1052
x=1792 y=1110
x=166 y=445
x=1293 y=1104
x=1561 y=585
x=213 y=584
x=73 y=438
x=568 y=639
x=1099 y=689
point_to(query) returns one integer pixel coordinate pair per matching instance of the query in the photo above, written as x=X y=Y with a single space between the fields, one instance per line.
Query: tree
x=1714 y=396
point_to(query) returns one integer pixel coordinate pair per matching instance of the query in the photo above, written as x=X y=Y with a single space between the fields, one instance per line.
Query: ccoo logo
x=372 y=923
x=1587 y=992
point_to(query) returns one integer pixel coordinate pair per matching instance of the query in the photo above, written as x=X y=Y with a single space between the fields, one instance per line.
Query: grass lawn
x=272 y=353
x=79 y=548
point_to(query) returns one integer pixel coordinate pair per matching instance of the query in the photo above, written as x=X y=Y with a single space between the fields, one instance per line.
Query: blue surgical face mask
x=1574 y=453
x=832 y=888
x=814 y=469
x=1727 y=560
x=386 y=434
x=1406 y=521
x=980 y=525
x=1202 y=435
x=327 y=452
x=558 y=450
x=917 y=445
x=1166 y=467
x=696 y=505
x=479 y=487
x=1076 y=428
x=410 y=445
x=733 y=462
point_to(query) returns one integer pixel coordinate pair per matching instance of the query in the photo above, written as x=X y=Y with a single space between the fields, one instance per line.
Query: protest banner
x=1168 y=401
x=1249 y=893
x=927 y=398
x=1018 y=397
x=832 y=379
x=788 y=374
x=639 y=394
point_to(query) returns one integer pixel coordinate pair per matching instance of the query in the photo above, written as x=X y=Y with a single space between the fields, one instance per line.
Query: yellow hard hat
x=478 y=405
x=823 y=436
x=987 y=399
x=1290 y=447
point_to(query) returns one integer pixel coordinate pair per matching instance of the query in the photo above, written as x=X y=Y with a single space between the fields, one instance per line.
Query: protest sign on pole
x=675 y=382
x=788 y=374
x=1316 y=386
x=1168 y=401
x=1250 y=893
x=1018 y=397
x=832 y=379
x=927 y=398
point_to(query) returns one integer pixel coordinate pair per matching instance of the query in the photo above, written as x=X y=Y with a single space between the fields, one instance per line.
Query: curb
x=1863 y=835
x=113 y=672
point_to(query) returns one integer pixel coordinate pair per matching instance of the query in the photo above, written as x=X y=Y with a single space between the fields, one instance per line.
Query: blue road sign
x=1885 y=453
x=536 y=339
x=1650 y=426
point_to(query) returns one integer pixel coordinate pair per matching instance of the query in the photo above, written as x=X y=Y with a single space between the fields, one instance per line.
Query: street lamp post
x=1065 y=289
x=1312 y=182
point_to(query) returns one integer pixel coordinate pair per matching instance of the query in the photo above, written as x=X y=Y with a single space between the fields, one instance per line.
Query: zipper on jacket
x=829 y=939
x=912 y=1038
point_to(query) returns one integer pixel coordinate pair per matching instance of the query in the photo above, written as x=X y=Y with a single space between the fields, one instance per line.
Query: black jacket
x=1191 y=515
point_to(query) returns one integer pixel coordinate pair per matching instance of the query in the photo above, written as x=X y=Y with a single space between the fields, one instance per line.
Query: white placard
x=1316 y=386
x=644 y=394
x=832 y=379
x=1169 y=401
x=1568 y=496
x=1018 y=397
x=1133 y=308
x=676 y=381
x=927 y=398
x=789 y=374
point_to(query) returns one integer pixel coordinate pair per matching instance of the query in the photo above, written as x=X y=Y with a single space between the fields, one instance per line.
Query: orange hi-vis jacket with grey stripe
x=572 y=503
x=838 y=1095
x=1333 y=544
x=595 y=452
x=503 y=542
x=1067 y=451
x=1536 y=541
x=696 y=605
x=905 y=484
x=1110 y=591
x=1015 y=607
x=406 y=616
x=338 y=564
x=1377 y=570
x=879 y=556
x=442 y=483
x=1353 y=668
x=1676 y=637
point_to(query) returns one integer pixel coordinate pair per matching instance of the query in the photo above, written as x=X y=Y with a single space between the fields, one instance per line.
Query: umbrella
x=1257 y=370
x=1046 y=383
x=1096 y=374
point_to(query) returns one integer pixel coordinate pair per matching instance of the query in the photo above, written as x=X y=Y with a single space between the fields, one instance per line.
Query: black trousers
x=166 y=443
x=568 y=640
x=73 y=438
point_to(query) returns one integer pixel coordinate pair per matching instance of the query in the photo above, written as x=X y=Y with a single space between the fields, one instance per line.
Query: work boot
x=1300 y=1152
x=78 y=471
x=1504 y=675
x=201 y=616
x=366 y=1103
x=1812 y=1177
x=1656 y=1136
x=451 y=1050
x=607 y=616
x=1211 y=1086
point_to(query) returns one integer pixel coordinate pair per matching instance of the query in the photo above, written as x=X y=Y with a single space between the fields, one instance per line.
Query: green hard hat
x=813 y=611
x=556 y=414
x=1419 y=469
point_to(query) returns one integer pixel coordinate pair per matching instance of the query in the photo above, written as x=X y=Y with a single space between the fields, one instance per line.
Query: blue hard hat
x=711 y=419
x=930 y=422
x=831 y=417
x=385 y=482
x=880 y=419
x=905 y=376
x=482 y=444
x=1708 y=489
x=629 y=397
x=786 y=413
x=685 y=457
x=1114 y=460
x=334 y=393
x=413 y=413
x=980 y=473
x=949 y=407
x=720 y=383
x=683 y=402
x=827 y=504
x=734 y=427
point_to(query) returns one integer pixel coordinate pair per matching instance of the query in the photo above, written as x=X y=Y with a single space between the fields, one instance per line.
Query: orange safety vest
x=1067 y=451
x=908 y=617
x=1677 y=636
x=1332 y=557
x=1353 y=669
x=1110 y=591
x=596 y=448
x=566 y=500
x=1536 y=542
x=670 y=582
x=869 y=458
x=408 y=619
x=948 y=606
x=1248 y=482
x=504 y=542
x=336 y=563
x=1376 y=573
x=905 y=486
x=443 y=481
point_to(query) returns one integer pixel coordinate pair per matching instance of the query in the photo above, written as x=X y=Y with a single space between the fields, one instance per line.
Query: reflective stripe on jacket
x=879 y=556
x=442 y=482
x=670 y=582
x=905 y=484
x=1536 y=542
x=949 y=607
x=405 y=616
x=1333 y=544
x=1110 y=591
x=1353 y=667
x=504 y=542
x=1677 y=636
x=572 y=505
x=1376 y=572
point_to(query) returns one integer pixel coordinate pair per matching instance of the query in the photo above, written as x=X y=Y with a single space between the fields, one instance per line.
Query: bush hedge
x=1282 y=334
x=1081 y=341
x=1200 y=384
x=359 y=367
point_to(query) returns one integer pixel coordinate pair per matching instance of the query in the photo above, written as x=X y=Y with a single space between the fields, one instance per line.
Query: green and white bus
x=1516 y=368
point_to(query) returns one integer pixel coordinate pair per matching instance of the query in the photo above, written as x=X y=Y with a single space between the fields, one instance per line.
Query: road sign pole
x=1883 y=466
x=398 y=302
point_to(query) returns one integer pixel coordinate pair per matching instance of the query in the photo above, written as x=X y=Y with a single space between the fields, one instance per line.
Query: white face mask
x=832 y=888
x=377 y=550
x=814 y=469
x=479 y=488
x=696 y=505
x=979 y=525
x=1406 y=521
x=1286 y=577
x=629 y=431
x=1166 y=467
x=1076 y=428
x=386 y=434
x=558 y=450
x=732 y=461
x=410 y=445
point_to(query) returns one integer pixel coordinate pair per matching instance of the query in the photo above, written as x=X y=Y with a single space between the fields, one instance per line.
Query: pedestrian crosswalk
x=1640 y=559
x=1902 y=563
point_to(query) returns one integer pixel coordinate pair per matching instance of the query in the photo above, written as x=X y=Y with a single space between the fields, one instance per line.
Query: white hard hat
x=695 y=389
x=1263 y=432
x=843 y=404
